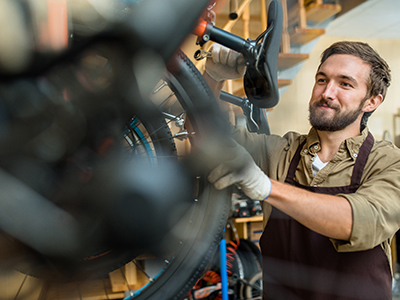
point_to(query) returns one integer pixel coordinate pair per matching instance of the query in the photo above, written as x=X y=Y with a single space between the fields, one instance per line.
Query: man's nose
x=329 y=91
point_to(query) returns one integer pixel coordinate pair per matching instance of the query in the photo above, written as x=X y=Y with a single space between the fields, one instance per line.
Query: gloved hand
x=239 y=168
x=225 y=63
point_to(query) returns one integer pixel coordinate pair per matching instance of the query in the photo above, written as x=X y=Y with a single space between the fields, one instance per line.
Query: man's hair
x=379 y=77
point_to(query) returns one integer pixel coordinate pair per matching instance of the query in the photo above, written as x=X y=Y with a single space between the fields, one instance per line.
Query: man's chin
x=321 y=123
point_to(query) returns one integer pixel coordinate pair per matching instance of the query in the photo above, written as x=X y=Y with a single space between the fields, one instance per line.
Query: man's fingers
x=225 y=181
x=233 y=59
x=215 y=53
x=217 y=173
x=224 y=55
x=222 y=177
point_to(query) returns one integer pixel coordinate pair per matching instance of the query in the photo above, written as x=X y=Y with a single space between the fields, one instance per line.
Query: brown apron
x=299 y=263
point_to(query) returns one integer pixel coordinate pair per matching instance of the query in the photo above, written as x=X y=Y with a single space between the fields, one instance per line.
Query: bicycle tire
x=254 y=289
x=213 y=206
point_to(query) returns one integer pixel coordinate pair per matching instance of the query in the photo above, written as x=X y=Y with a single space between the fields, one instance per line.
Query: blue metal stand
x=223 y=268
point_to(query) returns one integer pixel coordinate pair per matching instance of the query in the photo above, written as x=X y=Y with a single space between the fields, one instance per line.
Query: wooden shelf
x=302 y=36
x=249 y=219
x=288 y=60
x=250 y=228
x=85 y=290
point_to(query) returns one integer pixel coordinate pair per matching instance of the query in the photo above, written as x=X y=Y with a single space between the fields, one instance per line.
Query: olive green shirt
x=376 y=203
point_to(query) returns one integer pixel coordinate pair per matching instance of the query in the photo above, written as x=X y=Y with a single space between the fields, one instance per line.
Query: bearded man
x=330 y=197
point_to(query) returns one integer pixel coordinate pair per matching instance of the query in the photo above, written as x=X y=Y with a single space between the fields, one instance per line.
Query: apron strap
x=361 y=160
x=359 y=165
x=295 y=162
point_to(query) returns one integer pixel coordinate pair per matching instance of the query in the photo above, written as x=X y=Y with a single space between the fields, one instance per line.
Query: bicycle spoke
x=159 y=89
x=166 y=100
x=162 y=85
x=105 y=289
x=79 y=291
x=126 y=281
x=43 y=292
x=142 y=270
x=170 y=117
x=20 y=287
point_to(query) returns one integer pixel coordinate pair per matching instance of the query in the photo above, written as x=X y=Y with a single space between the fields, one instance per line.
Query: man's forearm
x=328 y=215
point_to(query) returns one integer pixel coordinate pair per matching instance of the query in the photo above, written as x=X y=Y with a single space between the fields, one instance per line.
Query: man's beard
x=339 y=120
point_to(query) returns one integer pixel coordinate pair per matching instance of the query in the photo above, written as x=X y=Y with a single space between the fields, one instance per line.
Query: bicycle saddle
x=261 y=78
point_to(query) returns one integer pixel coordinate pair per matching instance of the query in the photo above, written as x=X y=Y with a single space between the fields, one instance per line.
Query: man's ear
x=372 y=103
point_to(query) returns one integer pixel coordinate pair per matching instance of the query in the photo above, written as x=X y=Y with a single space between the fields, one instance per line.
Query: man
x=331 y=198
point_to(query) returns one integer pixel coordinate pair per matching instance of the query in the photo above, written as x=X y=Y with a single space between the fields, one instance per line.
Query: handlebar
x=261 y=55
x=207 y=31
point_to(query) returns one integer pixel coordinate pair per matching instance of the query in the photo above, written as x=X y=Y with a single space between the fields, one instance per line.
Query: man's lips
x=326 y=106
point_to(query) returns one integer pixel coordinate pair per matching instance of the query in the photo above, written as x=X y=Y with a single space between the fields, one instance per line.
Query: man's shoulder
x=384 y=150
x=295 y=137
x=384 y=145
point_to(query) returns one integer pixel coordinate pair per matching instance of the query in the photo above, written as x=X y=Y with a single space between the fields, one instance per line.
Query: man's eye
x=321 y=80
x=346 y=84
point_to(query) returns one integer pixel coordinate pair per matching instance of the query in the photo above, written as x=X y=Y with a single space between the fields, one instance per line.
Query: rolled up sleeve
x=375 y=206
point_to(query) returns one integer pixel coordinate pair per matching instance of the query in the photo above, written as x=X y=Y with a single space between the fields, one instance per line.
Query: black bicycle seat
x=261 y=78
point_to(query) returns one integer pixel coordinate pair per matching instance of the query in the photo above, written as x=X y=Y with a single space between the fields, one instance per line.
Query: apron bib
x=299 y=263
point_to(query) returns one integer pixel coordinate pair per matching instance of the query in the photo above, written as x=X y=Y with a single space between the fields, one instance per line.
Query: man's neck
x=331 y=141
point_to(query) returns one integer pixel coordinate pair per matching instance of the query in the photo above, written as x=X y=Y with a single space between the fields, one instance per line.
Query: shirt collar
x=313 y=145
x=352 y=145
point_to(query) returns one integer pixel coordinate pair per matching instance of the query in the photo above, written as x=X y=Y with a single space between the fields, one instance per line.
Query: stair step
x=317 y=13
x=284 y=82
x=288 y=60
x=302 y=36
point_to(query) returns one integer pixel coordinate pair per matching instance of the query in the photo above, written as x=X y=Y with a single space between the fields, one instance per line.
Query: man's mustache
x=326 y=103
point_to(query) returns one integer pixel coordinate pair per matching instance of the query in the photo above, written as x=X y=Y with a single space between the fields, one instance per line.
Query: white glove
x=225 y=63
x=239 y=168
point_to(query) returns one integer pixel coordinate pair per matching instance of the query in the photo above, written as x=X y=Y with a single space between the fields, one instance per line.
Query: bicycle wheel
x=187 y=98
x=183 y=97
x=253 y=289
x=208 y=215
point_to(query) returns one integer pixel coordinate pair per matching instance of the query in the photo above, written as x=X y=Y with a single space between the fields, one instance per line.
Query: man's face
x=339 y=93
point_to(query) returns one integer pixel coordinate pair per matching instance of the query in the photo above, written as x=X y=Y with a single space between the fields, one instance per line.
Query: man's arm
x=215 y=86
x=331 y=216
x=328 y=215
